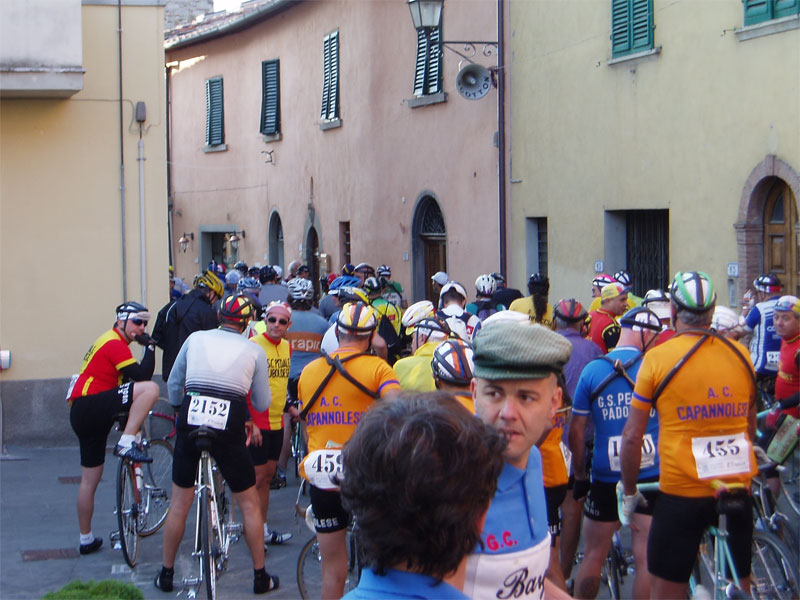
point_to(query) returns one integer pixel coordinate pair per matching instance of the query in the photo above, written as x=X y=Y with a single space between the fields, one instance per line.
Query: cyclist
x=603 y=327
x=658 y=302
x=110 y=382
x=267 y=428
x=271 y=289
x=214 y=369
x=452 y=300
x=599 y=280
x=535 y=305
x=363 y=271
x=452 y=367
x=516 y=390
x=413 y=553
x=392 y=290
x=484 y=305
x=335 y=391
x=787 y=325
x=438 y=281
x=765 y=344
x=504 y=295
x=623 y=277
x=414 y=372
x=603 y=396
x=232 y=279
x=389 y=317
x=702 y=389
x=241 y=266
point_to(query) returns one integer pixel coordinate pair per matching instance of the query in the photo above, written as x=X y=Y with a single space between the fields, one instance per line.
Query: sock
x=266 y=530
x=126 y=440
x=87 y=538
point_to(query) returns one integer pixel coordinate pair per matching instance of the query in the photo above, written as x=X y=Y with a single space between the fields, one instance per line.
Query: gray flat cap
x=508 y=350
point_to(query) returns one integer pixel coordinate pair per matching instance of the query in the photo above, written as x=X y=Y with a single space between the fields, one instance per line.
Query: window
x=344 y=241
x=631 y=26
x=758 y=11
x=270 y=97
x=330 y=79
x=215 y=117
x=536 y=244
x=427 y=75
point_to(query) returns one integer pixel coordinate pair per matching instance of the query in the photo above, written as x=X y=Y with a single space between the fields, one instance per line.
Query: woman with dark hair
x=535 y=305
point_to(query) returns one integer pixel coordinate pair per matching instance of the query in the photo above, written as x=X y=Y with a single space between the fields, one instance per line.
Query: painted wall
x=680 y=130
x=370 y=171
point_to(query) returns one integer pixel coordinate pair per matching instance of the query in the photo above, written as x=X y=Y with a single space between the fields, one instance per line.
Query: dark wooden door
x=781 y=245
x=435 y=260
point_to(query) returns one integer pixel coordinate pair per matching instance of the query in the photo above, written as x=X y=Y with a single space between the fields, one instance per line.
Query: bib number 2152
x=211 y=412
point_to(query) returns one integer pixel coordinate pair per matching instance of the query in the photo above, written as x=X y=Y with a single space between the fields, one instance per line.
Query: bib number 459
x=324 y=467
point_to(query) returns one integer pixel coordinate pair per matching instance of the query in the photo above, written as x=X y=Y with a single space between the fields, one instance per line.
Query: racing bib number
x=772 y=358
x=323 y=467
x=211 y=412
x=72 y=385
x=566 y=454
x=720 y=455
x=615 y=445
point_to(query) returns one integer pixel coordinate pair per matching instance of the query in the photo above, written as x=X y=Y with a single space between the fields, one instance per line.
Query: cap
x=279 y=308
x=611 y=290
x=506 y=350
x=788 y=304
x=441 y=278
x=453 y=285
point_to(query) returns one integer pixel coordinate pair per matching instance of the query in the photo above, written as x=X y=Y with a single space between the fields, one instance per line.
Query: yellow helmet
x=357 y=317
x=209 y=280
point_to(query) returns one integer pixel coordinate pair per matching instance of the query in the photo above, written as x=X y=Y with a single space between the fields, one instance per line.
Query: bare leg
x=175 y=524
x=145 y=395
x=666 y=590
x=253 y=524
x=571 y=515
x=554 y=572
x=333 y=549
x=90 y=478
x=596 y=543
x=641 y=581
x=264 y=474
x=286 y=449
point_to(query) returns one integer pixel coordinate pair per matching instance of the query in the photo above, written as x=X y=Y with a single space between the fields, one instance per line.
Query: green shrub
x=108 y=589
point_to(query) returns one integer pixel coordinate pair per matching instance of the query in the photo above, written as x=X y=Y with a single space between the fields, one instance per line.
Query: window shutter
x=434 y=63
x=333 y=100
x=642 y=28
x=427 y=71
x=326 y=75
x=756 y=11
x=786 y=8
x=270 y=99
x=215 y=122
x=422 y=62
x=620 y=27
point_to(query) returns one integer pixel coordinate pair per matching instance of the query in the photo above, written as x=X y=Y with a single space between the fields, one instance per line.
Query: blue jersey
x=766 y=344
x=609 y=410
x=305 y=336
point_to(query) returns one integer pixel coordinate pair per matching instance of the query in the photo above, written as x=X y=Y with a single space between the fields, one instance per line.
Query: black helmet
x=768 y=283
x=241 y=266
x=539 y=284
x=267 y=273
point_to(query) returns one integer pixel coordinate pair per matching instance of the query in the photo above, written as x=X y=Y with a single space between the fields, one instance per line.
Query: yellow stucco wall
x=60 y=218
x=681 y=130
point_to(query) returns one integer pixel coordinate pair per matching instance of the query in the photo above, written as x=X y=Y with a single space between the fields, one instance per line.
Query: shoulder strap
x=336 y=365
x=620 y=370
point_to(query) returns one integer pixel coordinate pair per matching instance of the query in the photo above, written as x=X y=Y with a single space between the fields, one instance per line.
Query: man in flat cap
x=516 y=390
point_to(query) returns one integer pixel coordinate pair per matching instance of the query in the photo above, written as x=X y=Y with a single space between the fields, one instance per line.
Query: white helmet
x=724 y=319
x=300 y=289
x=485 y=285
x=507 y=316
x=416 y=312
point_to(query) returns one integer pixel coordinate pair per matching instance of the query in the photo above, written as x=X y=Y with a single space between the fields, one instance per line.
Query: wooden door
x=781 y=244
x=435 y=260
x=312 y=260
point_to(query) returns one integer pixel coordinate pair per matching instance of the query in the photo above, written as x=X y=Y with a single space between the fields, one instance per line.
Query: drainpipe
x=170 y=221
x=142 y=247
x=121 y=157
x=501 y=134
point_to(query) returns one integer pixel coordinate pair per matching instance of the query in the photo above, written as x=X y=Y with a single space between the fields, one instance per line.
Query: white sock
x=126 y=440
x=87 y=538
x=266 y=530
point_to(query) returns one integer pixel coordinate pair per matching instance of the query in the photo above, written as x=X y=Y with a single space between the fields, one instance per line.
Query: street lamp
x=235 y=239
x=425 y=13
x=185 y=239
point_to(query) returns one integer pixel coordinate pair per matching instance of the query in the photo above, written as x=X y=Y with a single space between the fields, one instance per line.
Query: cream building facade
x=72 y=245
x=655 y=136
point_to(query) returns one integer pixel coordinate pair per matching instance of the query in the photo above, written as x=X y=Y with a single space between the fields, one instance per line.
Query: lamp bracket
x=470 y=48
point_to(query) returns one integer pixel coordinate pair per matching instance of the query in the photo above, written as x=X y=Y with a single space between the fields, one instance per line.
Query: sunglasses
x=139 y=322
x=277 y=320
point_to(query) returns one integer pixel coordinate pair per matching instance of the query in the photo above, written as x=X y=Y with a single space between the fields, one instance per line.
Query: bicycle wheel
x=159 y=423
x=790 y=480
x=611 y=573
x=127 y=512
x=774 y=572
x=298 y=447
x=157 y=487
x=309 y=568
x=704 y=570
x=208 y=569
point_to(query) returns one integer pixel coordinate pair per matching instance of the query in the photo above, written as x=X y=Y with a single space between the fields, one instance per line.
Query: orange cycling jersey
x=102 y=365
x=555 y=471
x=702 y=413
x=279 y=354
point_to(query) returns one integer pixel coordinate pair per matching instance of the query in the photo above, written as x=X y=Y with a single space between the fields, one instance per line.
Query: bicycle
x=160 y=422
x=142 y=495
x=215 y=529
x=299 y=448
x=618 y=564
x=767 y=516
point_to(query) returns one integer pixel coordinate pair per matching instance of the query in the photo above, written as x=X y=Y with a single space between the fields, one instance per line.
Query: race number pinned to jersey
x=72 y=385
x=648 y=452
x=720 y=455
x=772 y=359
x=211 y=412
x=566 y=454
x=323 y=468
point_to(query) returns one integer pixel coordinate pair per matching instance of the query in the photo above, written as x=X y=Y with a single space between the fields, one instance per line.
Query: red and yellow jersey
x=279 y=355
x=338 y=409
x=102 y=365
x=702 y=414
x=525 y=305
x=555 y=470
x=604 y=329
x=788 y=380
x=632 y=302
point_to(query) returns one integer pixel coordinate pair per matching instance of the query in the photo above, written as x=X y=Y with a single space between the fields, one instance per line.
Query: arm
x=177 y=378
x=142 y=371
x=631 y=451
x=261 y=397
x=577 y=440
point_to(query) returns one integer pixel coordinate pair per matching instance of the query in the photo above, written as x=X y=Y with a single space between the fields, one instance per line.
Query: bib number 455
x=720 y=455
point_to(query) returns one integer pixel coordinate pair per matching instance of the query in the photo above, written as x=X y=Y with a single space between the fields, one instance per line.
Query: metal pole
x=143 y=248
x=501 y=134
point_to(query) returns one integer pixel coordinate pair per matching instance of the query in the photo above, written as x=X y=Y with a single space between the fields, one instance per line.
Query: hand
x=580 y=489
x=629 y=504
x=255 y=435
x=294 y=413
x=761 y=456
x=771 y=420
x=144 y=339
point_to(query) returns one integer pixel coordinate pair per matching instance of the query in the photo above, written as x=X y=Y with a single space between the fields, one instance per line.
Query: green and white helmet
x=693 y=291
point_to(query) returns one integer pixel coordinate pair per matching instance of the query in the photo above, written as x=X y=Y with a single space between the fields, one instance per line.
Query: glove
x=144 y=339
x=771 y=420
x=629 y=504
x=580 y=489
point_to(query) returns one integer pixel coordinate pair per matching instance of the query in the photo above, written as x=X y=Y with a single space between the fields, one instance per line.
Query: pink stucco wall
x=371 y=171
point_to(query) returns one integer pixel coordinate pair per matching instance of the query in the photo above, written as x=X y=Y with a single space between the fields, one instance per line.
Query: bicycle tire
x=127 y=512
x=298 y=447
x=611 y=573
x=309 y=568
x=773 y=569
x=156 y=488
x=790 y=480
x=160 y=423
x=208 y=568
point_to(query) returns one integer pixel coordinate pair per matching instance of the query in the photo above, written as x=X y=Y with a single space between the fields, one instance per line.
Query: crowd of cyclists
x=628 y=390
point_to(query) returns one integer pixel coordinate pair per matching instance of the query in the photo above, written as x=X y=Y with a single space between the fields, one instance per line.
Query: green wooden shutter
x=620 y=27
x=215 y=117
x=270 y=97
x=422 y=63
x=642 y=29
x=631 y=26
x=434 y=63
x=427 y=71
x=756 y=11
x=786 y=8
x=333 y=100
x=326 y=76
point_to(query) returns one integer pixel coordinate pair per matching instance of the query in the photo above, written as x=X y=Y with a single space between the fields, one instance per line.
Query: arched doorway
x=275 y=237
x=312 y=259
x=781 y=246
x=429 y=246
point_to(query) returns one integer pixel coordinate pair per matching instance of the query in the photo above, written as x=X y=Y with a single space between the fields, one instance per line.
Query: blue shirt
x=765 y=344
x=305 y=336
x=401 y=584
x=609 y=412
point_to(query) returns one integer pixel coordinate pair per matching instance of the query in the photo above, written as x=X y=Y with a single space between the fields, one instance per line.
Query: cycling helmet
x=352 y=294
x=693 y=291
x=372 y=285
x=248 y=283
x=768 y=283
x=300 y=289
x=345 y=281
x=623 y=277
x=434 y=328
x=658 y=302
x=498 y=277
x=440 y=277
x=602 y=279
x=507 y=316
x=348 y=269
x=232 y=277
x=452 y=362
x=485 y=285
x=132 y=310
x=539 y=284
x=266 y=273
x=241 y=266
x=384 y=271
x=724 y=319
x=365 y=268
x=641 y=317
x=788 y=304
x=278 y=270
x=253 y=271
x=210 y=281
x=237 y=308
x=454 y=286
x=569 y=310
x=416 y=312
x=357 y=318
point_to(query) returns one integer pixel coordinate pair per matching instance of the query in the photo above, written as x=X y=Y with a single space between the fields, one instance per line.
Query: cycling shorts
x=679 y=523
x=554 y=496
x=601 y=502
x=92 y=418
x=329 y=515
x=270 y=448
x=228 y=450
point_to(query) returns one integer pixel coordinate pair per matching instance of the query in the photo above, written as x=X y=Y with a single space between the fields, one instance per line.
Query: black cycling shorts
x=92 y=418
x=679 y=523
x=270 y=448
x=329 y=515
x=229 y=452
x=554 y=496
x=601 y=502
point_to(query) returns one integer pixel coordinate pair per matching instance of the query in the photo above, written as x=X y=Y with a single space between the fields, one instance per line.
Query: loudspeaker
x=474 y=81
